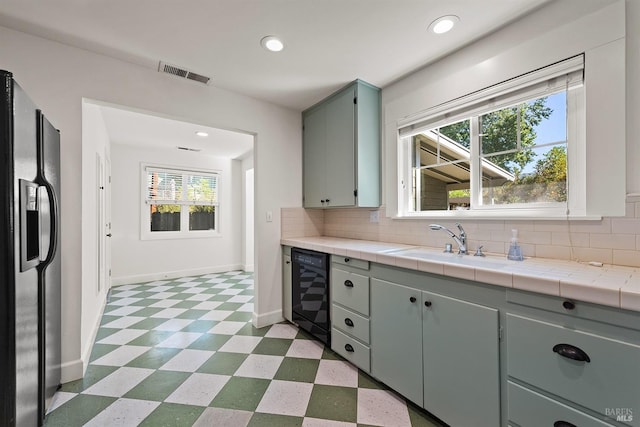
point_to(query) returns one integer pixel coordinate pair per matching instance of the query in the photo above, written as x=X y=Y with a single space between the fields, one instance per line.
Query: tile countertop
x=610 y=285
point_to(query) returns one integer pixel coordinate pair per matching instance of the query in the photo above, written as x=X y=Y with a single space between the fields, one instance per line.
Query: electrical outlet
x=374 y=216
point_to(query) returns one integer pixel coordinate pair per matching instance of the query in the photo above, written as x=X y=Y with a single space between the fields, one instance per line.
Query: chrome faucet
x=461 y=240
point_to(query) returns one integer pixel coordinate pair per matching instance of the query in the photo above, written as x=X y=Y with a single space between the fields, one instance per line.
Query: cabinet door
x=461 y=362
x=340 y=160
x=396 y=338
x=314 y=158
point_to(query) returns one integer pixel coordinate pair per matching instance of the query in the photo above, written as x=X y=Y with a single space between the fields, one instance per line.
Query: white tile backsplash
x=609 y=240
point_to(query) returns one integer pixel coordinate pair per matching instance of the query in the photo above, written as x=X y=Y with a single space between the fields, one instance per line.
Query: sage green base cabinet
x=440 y=352
x=461 y=361
x=341 y=149
x=350 y=310
x=396 y=338
x=528 y=408
x=287 y=304
x=577 y=363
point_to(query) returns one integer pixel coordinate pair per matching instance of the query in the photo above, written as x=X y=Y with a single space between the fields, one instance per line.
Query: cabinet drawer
x=528 y=408
x=609 y=380
x=350 y=290
x=352 y=262
x=351 y=323
x=352 y=350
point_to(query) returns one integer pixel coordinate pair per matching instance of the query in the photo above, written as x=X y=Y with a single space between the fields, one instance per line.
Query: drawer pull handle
x=348 y=283
x=571 y=352
x=412 y=299
x=347 y=259
x=568 y=305
x=563 y=424
x=348 y=322
x=349 y=348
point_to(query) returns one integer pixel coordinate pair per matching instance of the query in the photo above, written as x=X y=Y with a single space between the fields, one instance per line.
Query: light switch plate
x=269 y=216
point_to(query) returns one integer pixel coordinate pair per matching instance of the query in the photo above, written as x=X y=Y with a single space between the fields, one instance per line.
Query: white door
x=107 y=223
x=100 y=240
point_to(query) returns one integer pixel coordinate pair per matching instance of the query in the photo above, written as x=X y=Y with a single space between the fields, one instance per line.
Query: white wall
x=135 y=260
x=57 y=77
x=547 y=36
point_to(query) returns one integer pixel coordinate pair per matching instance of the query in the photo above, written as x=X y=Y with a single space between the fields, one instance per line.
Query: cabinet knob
x=427 y=303
x=327 y=200
x=287 y=262
x=568 y=305
x=322 y=201
x=563 y=424
x=348 y=283
x=412 y=299
x=349 y=348
x=347 y=259
x=571 y=352
x=348 y=322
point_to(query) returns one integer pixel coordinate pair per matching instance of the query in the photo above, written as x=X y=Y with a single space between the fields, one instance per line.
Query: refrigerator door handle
x=48 y=223
x=48 y=200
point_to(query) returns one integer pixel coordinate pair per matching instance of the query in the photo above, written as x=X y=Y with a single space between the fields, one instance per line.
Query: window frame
x=184 y=232
x=523 y=88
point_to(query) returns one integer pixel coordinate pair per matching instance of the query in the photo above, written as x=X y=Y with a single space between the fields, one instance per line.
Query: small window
x=506 y=148
x=179 y=203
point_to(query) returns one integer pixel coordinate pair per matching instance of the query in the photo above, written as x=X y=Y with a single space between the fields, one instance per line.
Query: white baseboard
x=71 y=371
x=266 y=319
x=150 y=277
x=248 y=267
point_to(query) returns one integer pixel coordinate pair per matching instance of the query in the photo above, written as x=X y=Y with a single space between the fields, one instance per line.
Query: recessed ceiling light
x=272 y=43
x=443 y=24
x=202 y=133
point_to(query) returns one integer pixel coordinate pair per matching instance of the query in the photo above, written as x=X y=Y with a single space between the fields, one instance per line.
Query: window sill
x=524 y=215
x=179 y=235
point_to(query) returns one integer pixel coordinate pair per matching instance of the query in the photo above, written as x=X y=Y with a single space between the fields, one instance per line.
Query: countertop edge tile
x=607 y=295
x=629 y=299
x=495 y=277
x=430 y=266
x=460 y=271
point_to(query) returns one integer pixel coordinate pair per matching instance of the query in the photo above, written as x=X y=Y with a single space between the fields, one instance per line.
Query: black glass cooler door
x=310 y=292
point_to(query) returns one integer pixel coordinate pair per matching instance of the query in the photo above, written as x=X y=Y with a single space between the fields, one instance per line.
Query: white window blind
x=179 y=187
x=561 y=75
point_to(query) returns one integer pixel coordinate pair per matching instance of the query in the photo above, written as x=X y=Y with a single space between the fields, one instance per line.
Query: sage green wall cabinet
x=341 y=149
x=350 y=310
x=396 y=338
x=286 y=284
x=461 y=361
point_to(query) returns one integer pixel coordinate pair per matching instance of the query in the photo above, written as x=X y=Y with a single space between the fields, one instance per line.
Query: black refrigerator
x=30 y=283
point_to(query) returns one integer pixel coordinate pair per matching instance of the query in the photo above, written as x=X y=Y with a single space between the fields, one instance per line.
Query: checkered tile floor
x=184 y=353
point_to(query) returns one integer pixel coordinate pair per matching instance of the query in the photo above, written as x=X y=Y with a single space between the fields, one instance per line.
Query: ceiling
x=328 y=43
x=143 y=130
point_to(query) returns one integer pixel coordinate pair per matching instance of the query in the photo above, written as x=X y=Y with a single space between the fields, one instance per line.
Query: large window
x=507 y=147
x=179 y=203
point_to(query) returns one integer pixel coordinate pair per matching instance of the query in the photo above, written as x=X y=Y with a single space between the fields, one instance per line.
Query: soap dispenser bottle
x=515 y=251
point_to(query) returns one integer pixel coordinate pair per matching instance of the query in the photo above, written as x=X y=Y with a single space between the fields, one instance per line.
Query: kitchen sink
x=452 y=258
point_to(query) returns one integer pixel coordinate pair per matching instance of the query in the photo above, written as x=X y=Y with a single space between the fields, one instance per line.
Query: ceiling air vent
x=189 y=149
x=181 y=72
